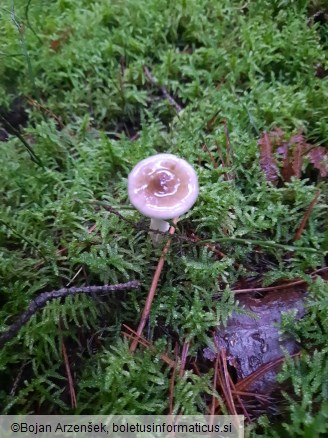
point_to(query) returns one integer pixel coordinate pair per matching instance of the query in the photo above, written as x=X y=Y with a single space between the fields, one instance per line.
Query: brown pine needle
x=152 y=290
x=69 y=376
x=228 y=143
x=214 y=163
x=245 y=383
x=279 y=286
x=211 y=247
x=184 y=355
x=241 y=404
x=214 y=399
x=306 y=217
x=45 y=111
x=263 y=398
x=172 y=381
x=142 y=341
x=218 y=148
x=228 y=393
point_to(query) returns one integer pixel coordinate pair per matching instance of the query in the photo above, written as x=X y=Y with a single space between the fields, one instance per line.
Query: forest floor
x=236 y=298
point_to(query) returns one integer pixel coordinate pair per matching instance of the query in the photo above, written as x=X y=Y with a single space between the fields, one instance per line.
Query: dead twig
x=233 y=240
x=40 y=301
x=210 y=124
x=45 y=111
x=214 y=163
x=218 y=148
x=17 y=379
x=153 y=287
x=166 y=94
x=279 y=286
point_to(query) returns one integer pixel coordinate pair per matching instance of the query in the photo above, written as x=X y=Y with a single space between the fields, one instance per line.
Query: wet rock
x=253 y=341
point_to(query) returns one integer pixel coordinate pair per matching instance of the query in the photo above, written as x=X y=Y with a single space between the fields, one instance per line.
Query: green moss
x=83 y=63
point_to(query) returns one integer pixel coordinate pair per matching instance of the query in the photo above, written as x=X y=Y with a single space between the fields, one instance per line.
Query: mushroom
x=162 y=187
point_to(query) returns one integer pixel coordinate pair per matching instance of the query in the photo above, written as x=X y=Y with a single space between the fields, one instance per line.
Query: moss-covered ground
x=78 y=111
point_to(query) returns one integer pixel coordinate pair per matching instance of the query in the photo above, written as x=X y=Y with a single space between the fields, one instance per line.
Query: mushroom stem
x=158 y=225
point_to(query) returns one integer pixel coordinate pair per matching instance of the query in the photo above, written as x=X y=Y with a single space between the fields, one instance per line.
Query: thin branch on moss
x=262 y=243
x=184 y=355
x=265 y=243
x=17 y=379
x=10 y=127
x=228 y=142
x=46 y=112
x=27 y=7
x=25 y=239
x=166 y=94
x=20 y=30
x=279 y=286
x=263 y=369
x=42 y=299
x=247 y=381
x=207 y=149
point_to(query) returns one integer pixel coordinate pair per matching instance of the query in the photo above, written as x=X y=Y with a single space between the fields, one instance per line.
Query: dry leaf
x=267 y=161
x=57 y=43
x=319 y=158
x=290 y=151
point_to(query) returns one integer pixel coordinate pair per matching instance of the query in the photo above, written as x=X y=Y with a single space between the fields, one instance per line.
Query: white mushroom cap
x=163 y=186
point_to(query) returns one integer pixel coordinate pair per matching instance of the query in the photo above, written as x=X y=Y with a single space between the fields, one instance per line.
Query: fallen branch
x=166 y=94
x=261 y=243
x=41 y=300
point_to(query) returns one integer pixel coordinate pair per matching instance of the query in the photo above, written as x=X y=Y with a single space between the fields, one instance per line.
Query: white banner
x=105 y=426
